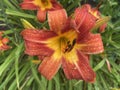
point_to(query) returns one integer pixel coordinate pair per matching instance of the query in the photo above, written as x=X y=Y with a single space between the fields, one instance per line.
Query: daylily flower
x=86 y=18
x=42 y=6
x=61 y=46
x=3 y=43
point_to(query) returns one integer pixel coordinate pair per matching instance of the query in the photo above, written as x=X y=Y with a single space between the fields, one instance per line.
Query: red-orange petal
x=56 y=5
x=35 y=42
x=70 y=24
x=28 y=5
x=38 y=36
x=57 y=20
x=84 y=68
x=80 y=15
x=84 y=20
x=79 y=69
x=33 y=48
x=70 y=70
x=49 y=67
x=41 y=15
x=92 y=44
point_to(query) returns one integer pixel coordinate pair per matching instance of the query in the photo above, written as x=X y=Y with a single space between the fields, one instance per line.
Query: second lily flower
x=42 y=6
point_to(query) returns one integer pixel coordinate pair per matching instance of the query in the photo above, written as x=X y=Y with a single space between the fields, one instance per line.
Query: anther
x=70 y=46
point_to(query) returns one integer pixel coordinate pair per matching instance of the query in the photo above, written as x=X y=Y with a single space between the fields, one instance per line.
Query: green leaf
x=19 y=14
x=17 y=56
x=99 y=65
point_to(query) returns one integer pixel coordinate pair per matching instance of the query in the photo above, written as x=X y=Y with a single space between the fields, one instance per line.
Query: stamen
x=74 y=41
x=69 y=46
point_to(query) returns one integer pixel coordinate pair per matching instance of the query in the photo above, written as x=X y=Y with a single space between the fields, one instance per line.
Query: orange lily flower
x=42 y=6
x=61 y=46
x=86 y=18
x=3 y=42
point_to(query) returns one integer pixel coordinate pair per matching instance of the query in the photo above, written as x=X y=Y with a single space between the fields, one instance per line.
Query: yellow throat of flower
x=63 y=43
x=43 y=4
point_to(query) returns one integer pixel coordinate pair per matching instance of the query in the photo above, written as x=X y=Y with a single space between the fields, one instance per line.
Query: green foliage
x=18 y=72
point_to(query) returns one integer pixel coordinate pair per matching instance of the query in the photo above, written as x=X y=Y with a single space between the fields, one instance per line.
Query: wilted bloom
x=61 y=46
x=87 y=18
x=42 y=6
x=108 y=65
x=3 y=42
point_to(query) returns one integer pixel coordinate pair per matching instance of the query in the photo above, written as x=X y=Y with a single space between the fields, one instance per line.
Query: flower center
x=43 y=4
x=66 y=45
x=63 y=44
